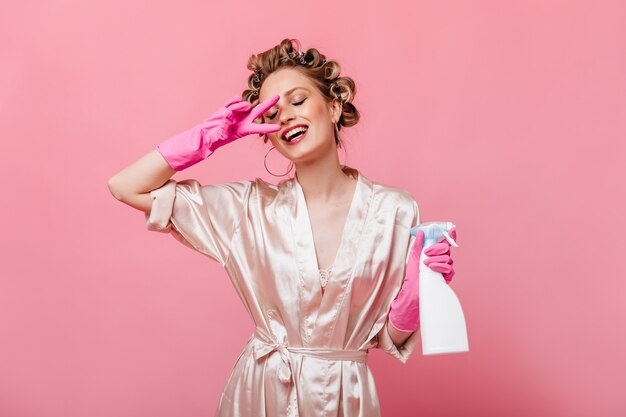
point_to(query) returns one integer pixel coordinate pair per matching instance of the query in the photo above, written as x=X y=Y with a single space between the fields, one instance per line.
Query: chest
x=327 y=226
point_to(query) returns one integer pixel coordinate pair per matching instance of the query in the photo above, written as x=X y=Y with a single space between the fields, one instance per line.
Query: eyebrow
x=294 y=89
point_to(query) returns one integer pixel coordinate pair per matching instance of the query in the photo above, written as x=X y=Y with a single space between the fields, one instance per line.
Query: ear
x=335 y=110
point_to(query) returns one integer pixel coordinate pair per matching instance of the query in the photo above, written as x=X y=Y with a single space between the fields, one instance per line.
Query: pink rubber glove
x=232 y=121
x=404 y=313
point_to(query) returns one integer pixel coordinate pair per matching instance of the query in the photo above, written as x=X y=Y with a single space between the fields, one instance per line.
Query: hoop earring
x=265 y=163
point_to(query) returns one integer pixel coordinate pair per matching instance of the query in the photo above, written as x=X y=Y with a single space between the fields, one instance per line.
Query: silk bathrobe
x=308 y=354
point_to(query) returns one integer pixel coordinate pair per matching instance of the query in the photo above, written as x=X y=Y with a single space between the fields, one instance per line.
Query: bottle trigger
x=449 y=239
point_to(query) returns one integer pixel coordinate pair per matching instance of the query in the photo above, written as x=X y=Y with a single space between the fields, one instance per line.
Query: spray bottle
x=442 y=321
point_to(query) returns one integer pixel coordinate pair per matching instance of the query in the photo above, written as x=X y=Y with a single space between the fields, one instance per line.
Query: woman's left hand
x=439 y=257
x=404 y=310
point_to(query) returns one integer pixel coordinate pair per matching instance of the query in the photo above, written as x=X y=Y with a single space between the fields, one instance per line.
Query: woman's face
x=300 y=103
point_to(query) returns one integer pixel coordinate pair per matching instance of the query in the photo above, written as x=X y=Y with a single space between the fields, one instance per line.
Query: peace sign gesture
x=240 y=116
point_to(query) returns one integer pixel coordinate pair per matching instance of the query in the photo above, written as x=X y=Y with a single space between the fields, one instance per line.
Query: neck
x=323 y=180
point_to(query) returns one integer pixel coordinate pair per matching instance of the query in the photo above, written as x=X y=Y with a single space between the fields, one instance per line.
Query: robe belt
x=285 y=351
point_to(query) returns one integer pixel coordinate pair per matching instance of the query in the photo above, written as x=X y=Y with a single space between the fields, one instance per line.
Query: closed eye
x=295 y=104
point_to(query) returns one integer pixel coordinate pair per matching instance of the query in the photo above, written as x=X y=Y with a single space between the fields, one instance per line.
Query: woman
x=319 y=260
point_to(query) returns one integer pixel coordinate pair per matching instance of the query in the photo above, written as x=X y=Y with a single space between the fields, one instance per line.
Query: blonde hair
x=323 y=73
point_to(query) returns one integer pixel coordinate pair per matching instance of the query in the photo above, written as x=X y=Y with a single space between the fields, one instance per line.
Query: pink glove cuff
x=191 y=146
x=409 y=319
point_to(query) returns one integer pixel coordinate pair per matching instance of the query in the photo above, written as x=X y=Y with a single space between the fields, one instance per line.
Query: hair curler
x=442 y=322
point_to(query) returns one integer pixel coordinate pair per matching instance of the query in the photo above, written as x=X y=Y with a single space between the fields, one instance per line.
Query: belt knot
x=285 y=369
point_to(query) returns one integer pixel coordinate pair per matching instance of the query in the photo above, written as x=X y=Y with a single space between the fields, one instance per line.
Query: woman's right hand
x=234 y=120
x=238 y=119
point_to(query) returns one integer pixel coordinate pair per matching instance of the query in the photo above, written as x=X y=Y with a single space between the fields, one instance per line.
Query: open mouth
x=295 y=134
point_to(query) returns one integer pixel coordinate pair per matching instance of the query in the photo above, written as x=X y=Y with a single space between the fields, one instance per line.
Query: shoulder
x=265 y=193
x=265 y=189
x=390 y=194
x=395 y=202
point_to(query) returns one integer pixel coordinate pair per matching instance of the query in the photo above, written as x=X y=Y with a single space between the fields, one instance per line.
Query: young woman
x=322 y=261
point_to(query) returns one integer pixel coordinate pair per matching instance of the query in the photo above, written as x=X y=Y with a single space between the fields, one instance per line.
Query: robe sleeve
x=385 y=342
x=202 y=217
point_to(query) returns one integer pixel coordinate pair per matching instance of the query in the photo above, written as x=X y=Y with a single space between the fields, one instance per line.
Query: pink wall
x=508 y=119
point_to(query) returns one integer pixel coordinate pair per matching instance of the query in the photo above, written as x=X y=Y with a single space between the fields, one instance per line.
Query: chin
x=309 y=148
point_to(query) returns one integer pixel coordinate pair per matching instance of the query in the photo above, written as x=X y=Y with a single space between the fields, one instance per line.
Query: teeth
x=293 y=132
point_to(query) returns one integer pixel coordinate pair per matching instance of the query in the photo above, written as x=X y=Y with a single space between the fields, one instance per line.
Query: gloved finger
x=232 y=100
x=416 y=251
x=448 y=275
x=440 y=266
x=262 y=107
x=241 y=107
x=439 y=258
x=413 y=264
x=438 y=249
x=262 y=128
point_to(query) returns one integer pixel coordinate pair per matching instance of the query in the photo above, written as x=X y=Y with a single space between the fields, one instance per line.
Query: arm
x=398 y=336
x=132 y=185
x=232 y=121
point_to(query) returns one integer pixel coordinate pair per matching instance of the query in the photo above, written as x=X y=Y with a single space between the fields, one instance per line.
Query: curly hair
x=322 y=72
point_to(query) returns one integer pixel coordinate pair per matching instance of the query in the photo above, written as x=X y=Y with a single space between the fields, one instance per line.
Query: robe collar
x=318 y=313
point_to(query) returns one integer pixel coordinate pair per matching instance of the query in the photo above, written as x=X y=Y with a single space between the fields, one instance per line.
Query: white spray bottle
x=442 y=322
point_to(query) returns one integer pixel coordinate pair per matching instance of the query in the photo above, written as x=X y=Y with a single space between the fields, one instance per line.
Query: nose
x=285 y=115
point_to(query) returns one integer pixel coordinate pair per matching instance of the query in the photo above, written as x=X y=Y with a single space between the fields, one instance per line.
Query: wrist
x=397 y=336
x=404 y=312
x=187 y=148
x=404 y=324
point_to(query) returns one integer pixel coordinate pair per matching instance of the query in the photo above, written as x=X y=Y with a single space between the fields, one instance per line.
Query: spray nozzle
x=433 y=232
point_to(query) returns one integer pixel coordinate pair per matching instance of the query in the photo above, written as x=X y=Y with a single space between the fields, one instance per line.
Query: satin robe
x=308 y=354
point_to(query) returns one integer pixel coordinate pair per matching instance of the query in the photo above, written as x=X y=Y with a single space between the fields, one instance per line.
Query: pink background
x=508 y=118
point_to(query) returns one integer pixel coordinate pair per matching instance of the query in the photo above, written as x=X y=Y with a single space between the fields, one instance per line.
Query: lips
x=282 y=136
x=296 y=140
